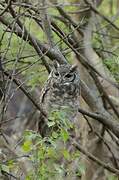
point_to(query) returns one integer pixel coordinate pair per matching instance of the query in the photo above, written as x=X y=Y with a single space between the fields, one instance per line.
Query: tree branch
x=40 y=48
x=101 y=15
x=113 y=125
x=93 y=158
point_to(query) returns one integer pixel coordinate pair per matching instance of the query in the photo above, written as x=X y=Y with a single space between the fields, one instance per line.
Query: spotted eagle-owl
x=61 y=93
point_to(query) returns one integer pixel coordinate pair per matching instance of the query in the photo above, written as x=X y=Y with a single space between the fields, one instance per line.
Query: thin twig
x=101 y=139
x=26 y=93
x=101 y=15
x=6 y=8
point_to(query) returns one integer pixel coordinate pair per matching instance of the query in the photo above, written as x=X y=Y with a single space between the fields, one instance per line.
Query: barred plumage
x=61 y=93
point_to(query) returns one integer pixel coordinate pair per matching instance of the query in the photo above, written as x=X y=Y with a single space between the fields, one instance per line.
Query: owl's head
x=65 y=77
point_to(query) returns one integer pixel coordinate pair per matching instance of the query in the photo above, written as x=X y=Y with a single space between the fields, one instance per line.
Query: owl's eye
x=68 y=75
x=56 y=74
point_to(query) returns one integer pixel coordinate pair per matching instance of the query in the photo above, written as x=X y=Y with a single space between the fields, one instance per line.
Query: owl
x=60 y=94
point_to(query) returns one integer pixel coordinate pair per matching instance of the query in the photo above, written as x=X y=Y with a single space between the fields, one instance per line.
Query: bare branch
x=101 y=15
x=93 y=158
x=113 y=125
x=26 y=93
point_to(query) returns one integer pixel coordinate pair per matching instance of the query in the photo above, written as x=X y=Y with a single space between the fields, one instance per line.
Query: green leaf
x=27 y=146
x=66 y=154
x=51 y=153
x=76 y=154
x=55 y=135
x=64 y=135
x=82 y=169
x=51 y=123
x=28 y=178
x=5 y=168
x=10 y=163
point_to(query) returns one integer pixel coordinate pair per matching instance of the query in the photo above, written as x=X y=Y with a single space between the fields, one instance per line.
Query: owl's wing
x=45 y=90
x=43 y=128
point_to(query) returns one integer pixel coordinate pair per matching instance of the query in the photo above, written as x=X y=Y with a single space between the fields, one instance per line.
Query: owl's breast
x=65 y=88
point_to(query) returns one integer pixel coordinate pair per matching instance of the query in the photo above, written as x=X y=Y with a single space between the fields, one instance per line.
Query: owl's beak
x=60 y=81
x=67 y=83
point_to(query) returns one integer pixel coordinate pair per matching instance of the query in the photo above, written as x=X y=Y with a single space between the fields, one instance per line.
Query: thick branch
x=93 y=158
x=38 y=46
x=113 y=125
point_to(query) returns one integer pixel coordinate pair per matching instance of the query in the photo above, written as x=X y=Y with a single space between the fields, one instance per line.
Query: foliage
x=46 y=153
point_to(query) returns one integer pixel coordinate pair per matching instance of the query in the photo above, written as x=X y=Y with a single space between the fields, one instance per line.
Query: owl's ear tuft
x=73 y=68
x=55 y=64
